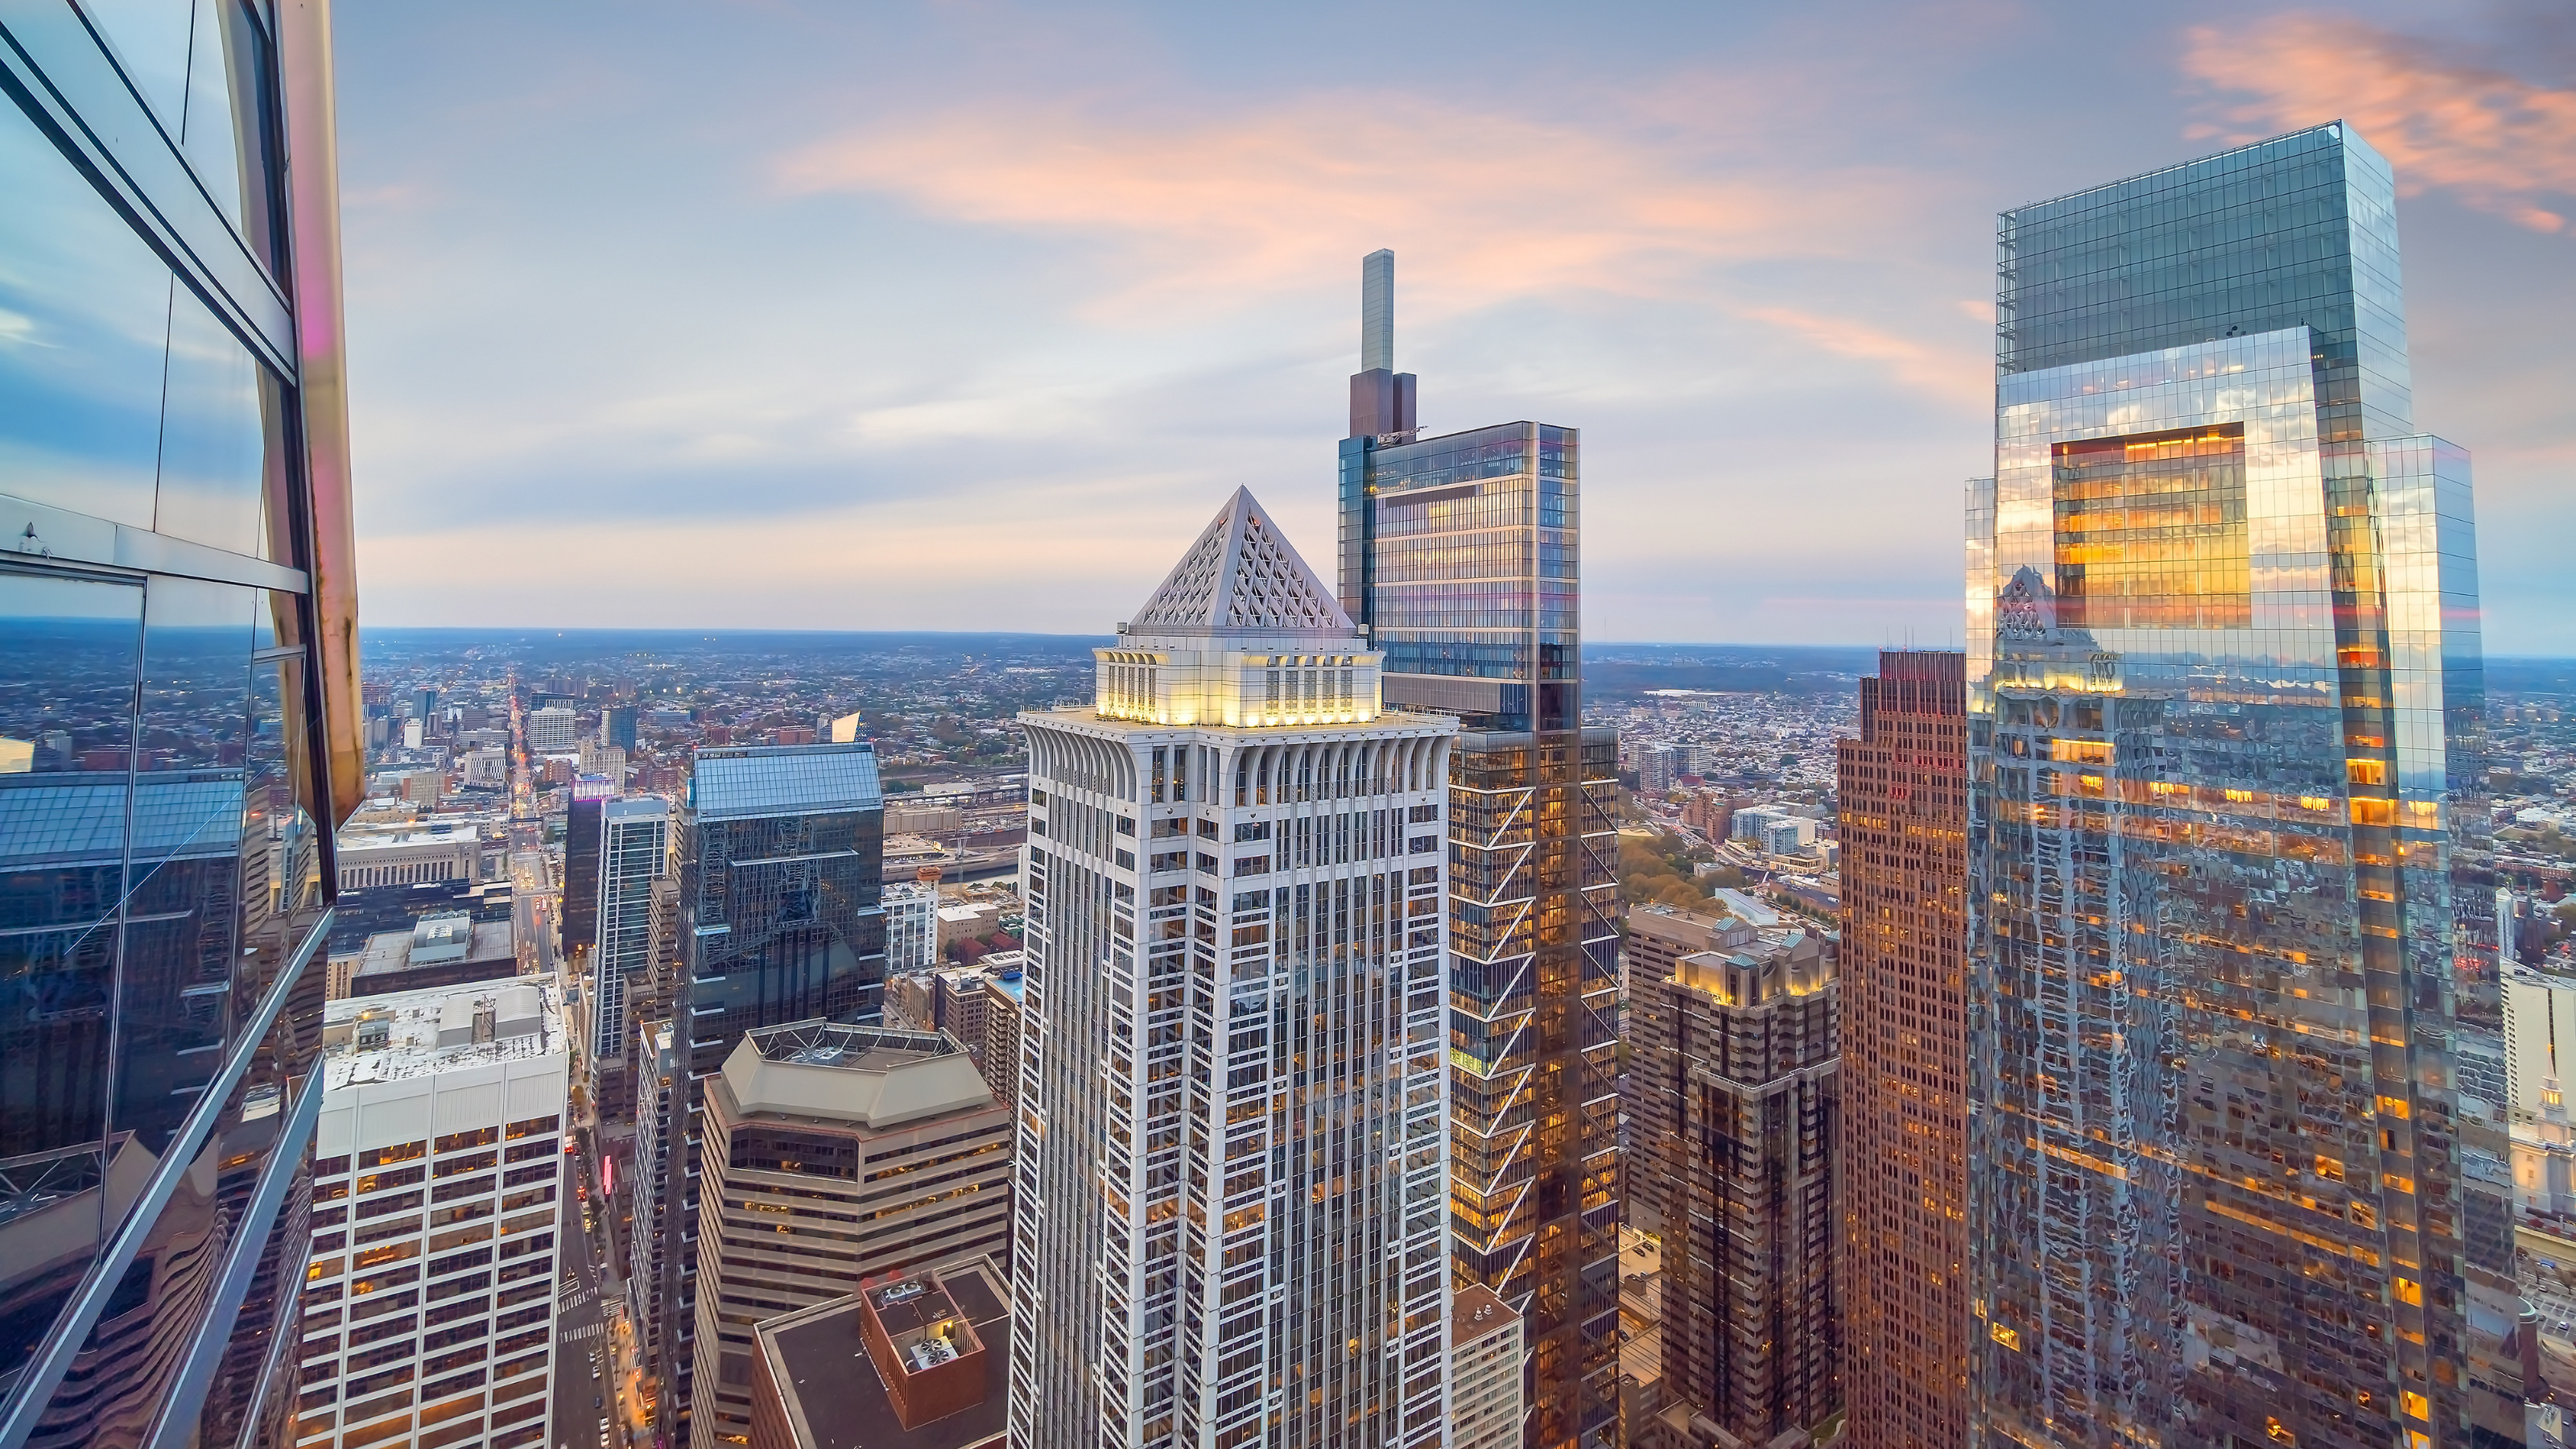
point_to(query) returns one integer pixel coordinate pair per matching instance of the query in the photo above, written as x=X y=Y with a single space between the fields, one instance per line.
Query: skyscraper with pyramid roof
x=1231 y=1210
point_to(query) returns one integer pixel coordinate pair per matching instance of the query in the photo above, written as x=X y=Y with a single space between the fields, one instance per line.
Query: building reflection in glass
x=2236 y=1130
x=164 y=810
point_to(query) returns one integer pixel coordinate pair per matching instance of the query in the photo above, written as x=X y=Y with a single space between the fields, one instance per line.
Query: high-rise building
x=779 y=872
x=1459 y=556
x=659 y=1077
x=1658 y=765
x=582 y=837
x=912 y=923
x=1229 y=1199
x=2236 y=1062
x=617 y=727
x=179 y=710
x=834 y=1154
x=1733 y=1074
x=634 y=851
x=1658 y=938
x=429 y=1302
x=552 y=730
x=1902 y=793
x=1003 y=1018
x=2540 y=1064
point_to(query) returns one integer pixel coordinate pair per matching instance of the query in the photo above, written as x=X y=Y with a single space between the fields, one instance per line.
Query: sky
x=969 y=315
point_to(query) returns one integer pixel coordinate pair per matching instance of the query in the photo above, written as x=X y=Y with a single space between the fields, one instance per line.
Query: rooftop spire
x=1377 y=310
x=1381 y=397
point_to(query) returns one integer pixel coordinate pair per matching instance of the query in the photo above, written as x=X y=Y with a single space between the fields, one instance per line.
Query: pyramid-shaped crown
x=1243 y=580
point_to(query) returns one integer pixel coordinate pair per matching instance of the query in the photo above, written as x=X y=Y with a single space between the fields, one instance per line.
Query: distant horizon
x=365 y=630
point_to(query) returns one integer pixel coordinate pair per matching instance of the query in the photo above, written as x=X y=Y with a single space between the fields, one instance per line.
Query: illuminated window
x=2151 y=531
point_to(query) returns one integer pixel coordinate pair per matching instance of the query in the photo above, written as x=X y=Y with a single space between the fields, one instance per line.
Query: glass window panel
x=149 y=38
x=216 y=421
x=182 y=911
x=69 y=649
x=228 y=131
x=84 y=325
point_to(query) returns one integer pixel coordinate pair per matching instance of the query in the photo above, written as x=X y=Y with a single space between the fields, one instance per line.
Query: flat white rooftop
x=434 y=1029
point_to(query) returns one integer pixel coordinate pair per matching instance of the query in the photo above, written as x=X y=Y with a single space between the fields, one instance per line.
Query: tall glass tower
x=2235 y=1056
x=1459 y=556
x=178 y=710
x=780 y=847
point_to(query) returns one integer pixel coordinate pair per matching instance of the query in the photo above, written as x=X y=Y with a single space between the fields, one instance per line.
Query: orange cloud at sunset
x=1482 y=206
x=2502 y=143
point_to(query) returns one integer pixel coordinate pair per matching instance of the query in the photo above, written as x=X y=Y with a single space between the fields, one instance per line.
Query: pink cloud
x=1482 y=206
x=1960 y=377
x=2503 y=143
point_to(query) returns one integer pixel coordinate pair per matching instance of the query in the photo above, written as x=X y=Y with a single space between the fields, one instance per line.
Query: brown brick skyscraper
x=1904 y=792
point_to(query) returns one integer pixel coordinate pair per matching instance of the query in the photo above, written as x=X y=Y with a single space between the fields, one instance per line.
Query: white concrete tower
x=1232 y=1149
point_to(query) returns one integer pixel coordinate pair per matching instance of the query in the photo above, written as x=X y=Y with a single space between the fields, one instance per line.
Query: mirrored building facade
x=1460 y=555
x=178 y=730
x=2234 y=1065
x=780 y=849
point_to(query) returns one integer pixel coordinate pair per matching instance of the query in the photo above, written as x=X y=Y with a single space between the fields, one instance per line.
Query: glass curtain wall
x=2235 y=1059
x=1460 y=553
x=172 y=499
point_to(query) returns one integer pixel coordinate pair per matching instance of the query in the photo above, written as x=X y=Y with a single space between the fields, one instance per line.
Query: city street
x=595 y=1369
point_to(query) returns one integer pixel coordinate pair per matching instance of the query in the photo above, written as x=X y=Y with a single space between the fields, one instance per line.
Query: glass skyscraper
x=781 y=847
x=1459 y=555
x=2237 y=1106
x=178 y=721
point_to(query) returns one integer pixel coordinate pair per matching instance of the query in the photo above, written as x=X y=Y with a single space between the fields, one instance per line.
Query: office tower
x=659 y=1075
x=1485 y=1409
x=1902 y=793
x=1459 y=556
x=579 y=913
x=617 y=727
x=179 y=698
x=1733 y=1065
x=2238 y=1077
x=552 y=730
x=1229 y=1194
x=779 y=858
x=634 y=849
x=938 y=1347
x=429 y=1302
x=833 y=1154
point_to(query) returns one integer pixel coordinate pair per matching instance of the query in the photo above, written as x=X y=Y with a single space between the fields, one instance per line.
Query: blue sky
x=969 y=315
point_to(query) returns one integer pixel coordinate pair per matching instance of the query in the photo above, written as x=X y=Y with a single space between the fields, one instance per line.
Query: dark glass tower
x=1459 y=555
x=2235 y=1060
x=781 y=847
x=179 y=728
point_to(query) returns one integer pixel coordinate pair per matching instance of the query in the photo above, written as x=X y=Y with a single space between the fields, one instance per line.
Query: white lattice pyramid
x=1242 y=577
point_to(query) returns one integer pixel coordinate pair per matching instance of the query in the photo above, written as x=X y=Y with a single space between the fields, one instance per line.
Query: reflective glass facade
x=2234 y=1059
x=177 y=722
x=1460 y=554
x=781 y=847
